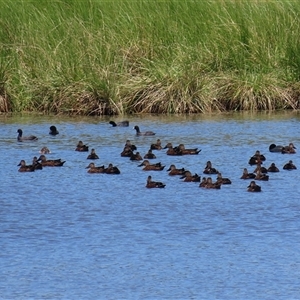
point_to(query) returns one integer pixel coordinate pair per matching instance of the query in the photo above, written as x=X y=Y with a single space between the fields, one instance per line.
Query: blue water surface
x=67 y=234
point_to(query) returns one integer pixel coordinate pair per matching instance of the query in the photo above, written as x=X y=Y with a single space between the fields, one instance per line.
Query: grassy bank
x=116 y=57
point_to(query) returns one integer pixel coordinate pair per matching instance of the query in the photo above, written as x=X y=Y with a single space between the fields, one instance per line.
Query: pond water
x=67 y=234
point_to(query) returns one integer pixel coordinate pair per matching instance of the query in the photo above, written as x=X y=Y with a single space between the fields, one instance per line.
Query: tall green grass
x=115 y=57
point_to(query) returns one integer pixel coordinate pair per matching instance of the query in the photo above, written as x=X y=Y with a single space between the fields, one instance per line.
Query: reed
x=98 y=57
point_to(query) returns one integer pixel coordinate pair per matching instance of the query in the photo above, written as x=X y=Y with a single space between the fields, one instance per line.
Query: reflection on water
x=67 y=234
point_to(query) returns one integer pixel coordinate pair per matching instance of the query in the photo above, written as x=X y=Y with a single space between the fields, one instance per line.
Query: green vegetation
x=94 y=57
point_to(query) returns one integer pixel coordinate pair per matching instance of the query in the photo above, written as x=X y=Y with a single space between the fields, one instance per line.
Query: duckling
x=136 y=156
x=256 y=158
x=172 y=151
x=212 y=185
x=185 y=151
x=261 y=176
x=45 y=150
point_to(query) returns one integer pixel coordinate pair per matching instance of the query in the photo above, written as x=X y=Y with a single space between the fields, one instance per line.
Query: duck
x=93 y=155
x=260 y=168
x=290 y=149
x=111 y=169
x=156 y=146
x=151 y=167
x=188 y=177
x=171 y=150
x=93 y=169
x=203 y=182
x=174 y=171
x=256 y=158
x=119 y=124
x=289 y=166
x=261 y=176
x=273 y=168
x=136 y=156
x=81 y=147
x=209 y=169
x=212 y=185
x=222 y=180
x=253 y=187
x=36 y=164
x=45 y=150
x=275 y=148
x=22 y=138
x=154 y=184
x=149 y=155
x=50 y=162
x=247 y=175
x=146 y=133
x=128 y=149
x=53 y=130
x=24 y=167
x=185 y=151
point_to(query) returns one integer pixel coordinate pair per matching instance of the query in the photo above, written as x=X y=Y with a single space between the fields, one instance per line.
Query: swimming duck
x=138 y=132
x=222 y=180
x=50 y=162
x=185 y=151
x=260 y=168
x=151 y=167
x=22 y=138
x=81 y=147
x=253 y=187
x=173 y=171
x=275 y=148
x=188 y=177
x=136 y=156
x=289 y=166
x=93 y=155
x=111 y=169
x=128 y=149
x=209 y=169
x=247 y=175
x=256 y=158
x=203 y=182
x=290 y=149
x=24 y=167
x=154 y=184
x=45 y=150
x=36 y=165
x=273 y=168
x=172 y=151
x=93 y=169
x=149 y=155
x=156 y=146
x=119 y=124
x=53 y=130
x=212 y=185
x=261 y=176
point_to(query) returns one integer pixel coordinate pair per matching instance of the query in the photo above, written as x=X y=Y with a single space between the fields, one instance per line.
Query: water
x=67 y=234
